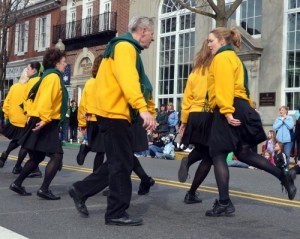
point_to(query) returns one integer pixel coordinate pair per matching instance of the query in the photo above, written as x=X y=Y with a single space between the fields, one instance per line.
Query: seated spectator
x=168 y=151
x=268 y=155
x=156 y=145
x=270 y=142
x=280 y=158
x=232 y=161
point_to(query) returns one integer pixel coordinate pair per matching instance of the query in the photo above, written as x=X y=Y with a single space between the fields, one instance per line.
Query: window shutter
x=16 y=39
x=26 y=36
x=36 y=34
x=48 y=30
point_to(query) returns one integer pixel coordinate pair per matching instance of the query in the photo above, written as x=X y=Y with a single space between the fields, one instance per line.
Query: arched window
x=176 y=44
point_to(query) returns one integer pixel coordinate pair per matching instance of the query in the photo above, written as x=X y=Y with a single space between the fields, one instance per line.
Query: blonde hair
x=23 y=78
x=231 y=36
x=284 y=107
x=203 y=58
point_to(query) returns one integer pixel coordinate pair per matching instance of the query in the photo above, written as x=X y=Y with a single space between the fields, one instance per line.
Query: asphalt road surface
x=262 y=209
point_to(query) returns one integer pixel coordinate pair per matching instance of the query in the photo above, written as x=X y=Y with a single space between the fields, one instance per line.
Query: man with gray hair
x=122 y=93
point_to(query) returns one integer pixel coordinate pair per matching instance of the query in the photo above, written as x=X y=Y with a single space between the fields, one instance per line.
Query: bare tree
x=211 y=9
x=10 y=13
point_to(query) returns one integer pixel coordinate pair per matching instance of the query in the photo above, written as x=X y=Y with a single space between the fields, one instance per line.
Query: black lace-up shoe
x=3 y=159
x=79 y=203
x=48 y=195
x=221 y=210
x=19 y=189
x=145 y=186
x=287 y=182
x=192 y=198
x=183 y=170
x=124 y=221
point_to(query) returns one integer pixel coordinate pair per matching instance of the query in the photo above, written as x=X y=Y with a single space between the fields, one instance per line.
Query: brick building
x=83 y=28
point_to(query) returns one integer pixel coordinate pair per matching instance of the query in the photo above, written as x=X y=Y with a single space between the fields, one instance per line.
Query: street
x=262 y=209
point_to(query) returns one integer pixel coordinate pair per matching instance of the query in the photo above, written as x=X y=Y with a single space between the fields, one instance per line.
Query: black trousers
x=116 y=171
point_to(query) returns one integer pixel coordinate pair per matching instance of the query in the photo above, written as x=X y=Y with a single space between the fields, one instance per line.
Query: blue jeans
x=237 y=163
x=153 y=149
x=64 y=132
x=287 y=150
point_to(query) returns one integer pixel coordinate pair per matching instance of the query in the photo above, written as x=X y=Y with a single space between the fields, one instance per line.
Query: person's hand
x=182 y=129
x=149 y=121
x=38 y=126
x=298 y=163
x=232 y=121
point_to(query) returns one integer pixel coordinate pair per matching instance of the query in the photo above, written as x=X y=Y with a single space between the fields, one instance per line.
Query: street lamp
x=60 y=45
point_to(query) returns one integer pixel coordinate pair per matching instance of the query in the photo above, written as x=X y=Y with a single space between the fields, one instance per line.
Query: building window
x=248 y=15
x=21 y=38
x=176 y=51
x=42 y=33
x=71 y=19
x=292 y=82
x=87 y=17
x=104 y=17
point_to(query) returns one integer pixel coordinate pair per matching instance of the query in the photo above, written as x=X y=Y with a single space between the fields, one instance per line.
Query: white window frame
x=19 y=36
x=42 y=33
x=105 y=13
x=87 y=17
x=174 y=97
x=71 y=19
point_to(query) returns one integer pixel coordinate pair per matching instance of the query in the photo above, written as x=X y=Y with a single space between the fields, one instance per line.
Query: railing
x=88 y=26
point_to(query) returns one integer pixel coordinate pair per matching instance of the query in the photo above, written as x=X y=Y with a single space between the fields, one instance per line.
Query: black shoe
x=17 y=170
x=47 y=195
x=221 y=210
x=79 y=203
x=3 y=159
x=145 y=186
x=83 y=150
x=124 y=221
x=183 y=170
x=19 y=189
x=191 y=198
x=106 y=192
x=36 y=173
x=287 y=182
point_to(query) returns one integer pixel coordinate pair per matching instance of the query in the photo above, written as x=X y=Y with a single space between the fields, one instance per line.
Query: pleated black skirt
x=13 y=132
x=95 y=138
x=45 y=140
x=226 y=138
x=198 y=128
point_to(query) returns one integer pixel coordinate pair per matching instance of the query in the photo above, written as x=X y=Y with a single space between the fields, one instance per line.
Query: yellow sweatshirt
x=87 y=104
x=47 y=103
x=11 y=106
x=194 y=97
x=28 y=103
x=117 y=85
x=226 y=81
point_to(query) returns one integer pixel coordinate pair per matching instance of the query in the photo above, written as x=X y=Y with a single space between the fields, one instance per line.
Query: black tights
x=21 y=156
x=201 y=173
x=245 y=155
x=198 y=153
x=12 y=145
x=50 y=171
x=138 y=169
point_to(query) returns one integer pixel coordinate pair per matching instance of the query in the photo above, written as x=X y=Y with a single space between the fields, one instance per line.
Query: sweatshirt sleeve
x=187 y=99
x=224 y=84
x=7 y=103
x=127 y=75
x=49 y=89
x=82 y=109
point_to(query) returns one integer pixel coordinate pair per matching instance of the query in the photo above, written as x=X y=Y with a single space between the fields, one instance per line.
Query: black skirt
x=198 y=128
x=13 y=132
x=140 y=140
x=95 y=138
x=45 y=140
x=226 y=138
